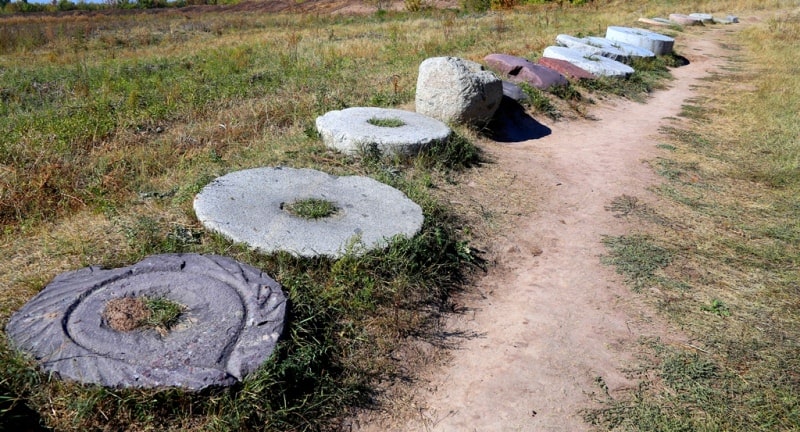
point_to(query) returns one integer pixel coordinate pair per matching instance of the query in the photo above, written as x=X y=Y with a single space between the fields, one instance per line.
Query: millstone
x=249 y=207
x=594 y=64
x=233 y=317
x=354 y=130
x=628 y=49
x=658 y=43
x=592 y=49
x=686 y=20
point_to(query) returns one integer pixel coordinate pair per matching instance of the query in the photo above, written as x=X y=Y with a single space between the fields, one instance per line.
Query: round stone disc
x=391 y=131
x=249 y=207
x=233 y=315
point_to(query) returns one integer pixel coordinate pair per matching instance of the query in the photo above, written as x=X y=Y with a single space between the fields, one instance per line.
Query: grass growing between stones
x=732 y=283
x=111 y=125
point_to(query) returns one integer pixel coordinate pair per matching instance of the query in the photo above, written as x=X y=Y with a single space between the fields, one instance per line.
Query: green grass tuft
x=311 y=208
x=386 y=122
x=637 y=258
x=164 y=313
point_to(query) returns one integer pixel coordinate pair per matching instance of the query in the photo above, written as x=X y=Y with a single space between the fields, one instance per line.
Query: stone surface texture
x=566 y=68
x=350 y=131
x=730 y=19
x=247 y=207
x=655 y=42
x=704 y=17
x=456 y=90
x=627 y=49
x=663 y=22
x=685 y=20
x=519 y=69
x=234 y=316
x=589 y=49
x=594 y=64
x=514 y=92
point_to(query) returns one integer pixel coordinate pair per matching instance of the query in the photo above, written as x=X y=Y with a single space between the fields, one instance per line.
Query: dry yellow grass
x=128 y=188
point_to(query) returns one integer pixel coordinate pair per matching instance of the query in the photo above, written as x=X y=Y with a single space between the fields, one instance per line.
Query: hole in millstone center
x=130 y=313
x=310 y=208
x=386 y=122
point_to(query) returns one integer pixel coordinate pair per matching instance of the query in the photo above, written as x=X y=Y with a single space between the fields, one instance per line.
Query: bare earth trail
x=553 y=325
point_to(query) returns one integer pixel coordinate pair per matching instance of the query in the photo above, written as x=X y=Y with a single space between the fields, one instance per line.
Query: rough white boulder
x=456 y=90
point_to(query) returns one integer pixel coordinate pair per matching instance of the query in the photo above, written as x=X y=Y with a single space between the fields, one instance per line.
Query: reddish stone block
x=519 y=69
x=565 y=68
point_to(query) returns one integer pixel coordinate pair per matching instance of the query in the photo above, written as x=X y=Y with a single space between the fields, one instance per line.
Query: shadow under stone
x=18 y=417
x=512 y=124
x=680 y=60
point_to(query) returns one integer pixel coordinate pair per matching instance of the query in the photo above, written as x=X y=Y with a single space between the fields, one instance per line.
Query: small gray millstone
x=595 y=64
x=246 y=207
x=592 y=49
x=658 y=43
x=704 y=17
x=233 y=318
x=350 y=131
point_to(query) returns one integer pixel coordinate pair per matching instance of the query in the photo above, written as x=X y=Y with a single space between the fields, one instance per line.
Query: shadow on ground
x=512 y=124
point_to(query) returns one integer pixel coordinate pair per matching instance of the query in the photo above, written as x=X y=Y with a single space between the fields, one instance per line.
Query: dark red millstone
x=565 y=68
x=519 y=69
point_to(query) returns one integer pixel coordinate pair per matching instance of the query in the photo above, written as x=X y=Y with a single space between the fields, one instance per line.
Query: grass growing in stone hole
x=386 y=122
x=164 y=313
x=732 y=282
x=311 y=208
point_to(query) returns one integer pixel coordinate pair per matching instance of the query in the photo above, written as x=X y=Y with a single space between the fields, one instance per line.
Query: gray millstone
x=628 y=49
x=248 y=207
x=704 y=17
x=686 y=20
x=657 y=21
x=350 y=131
x=655 y=42
x=589 y=49
x=595 y=64
x=233 y=318
x=730 y=19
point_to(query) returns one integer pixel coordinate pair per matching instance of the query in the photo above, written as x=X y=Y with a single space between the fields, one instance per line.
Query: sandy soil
x=551 y=328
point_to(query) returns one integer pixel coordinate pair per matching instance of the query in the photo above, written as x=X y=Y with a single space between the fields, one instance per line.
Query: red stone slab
x=519 y=69
x=566 y=68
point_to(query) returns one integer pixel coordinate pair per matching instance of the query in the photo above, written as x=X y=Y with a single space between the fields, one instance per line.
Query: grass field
x=720 y=254
x=111 y=123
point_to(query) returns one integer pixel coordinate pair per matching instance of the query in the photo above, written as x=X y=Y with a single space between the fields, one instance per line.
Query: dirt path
x=554 y=327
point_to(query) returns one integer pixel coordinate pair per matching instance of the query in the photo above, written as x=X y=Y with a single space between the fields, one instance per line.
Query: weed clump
x=311 y=208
